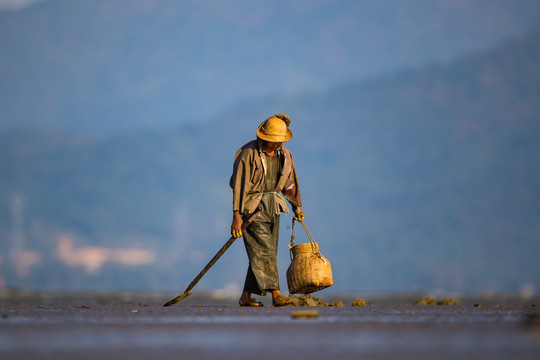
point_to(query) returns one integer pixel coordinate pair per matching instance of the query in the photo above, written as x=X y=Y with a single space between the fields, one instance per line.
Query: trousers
x=261 y=242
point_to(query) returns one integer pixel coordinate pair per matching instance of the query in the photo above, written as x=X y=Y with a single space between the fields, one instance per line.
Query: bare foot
x=247 y=300
x=280 y=300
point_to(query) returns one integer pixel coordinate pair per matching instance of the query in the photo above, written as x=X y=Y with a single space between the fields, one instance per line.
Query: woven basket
x=309 y=271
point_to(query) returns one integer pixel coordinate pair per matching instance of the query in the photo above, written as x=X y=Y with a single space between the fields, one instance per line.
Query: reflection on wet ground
x=383 y=331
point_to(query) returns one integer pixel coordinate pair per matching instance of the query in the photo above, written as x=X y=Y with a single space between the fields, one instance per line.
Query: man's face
x=272 y=146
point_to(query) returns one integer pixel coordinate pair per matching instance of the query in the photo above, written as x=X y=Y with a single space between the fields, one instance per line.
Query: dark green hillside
x=422 y=179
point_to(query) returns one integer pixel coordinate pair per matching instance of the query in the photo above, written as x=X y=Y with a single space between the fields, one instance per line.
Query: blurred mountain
x=418 y=179
x=106 y=66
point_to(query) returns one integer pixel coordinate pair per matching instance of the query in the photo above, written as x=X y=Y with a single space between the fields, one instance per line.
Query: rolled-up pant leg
x=261 y=242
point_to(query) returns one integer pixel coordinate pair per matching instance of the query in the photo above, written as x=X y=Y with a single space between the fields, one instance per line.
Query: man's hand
x=299 y=214
x=236 y=226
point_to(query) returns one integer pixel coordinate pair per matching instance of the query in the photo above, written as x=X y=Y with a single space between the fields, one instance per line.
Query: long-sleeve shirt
x=248 y=179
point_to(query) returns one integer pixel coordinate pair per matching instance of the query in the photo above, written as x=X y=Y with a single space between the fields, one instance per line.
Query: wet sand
x=71 y=329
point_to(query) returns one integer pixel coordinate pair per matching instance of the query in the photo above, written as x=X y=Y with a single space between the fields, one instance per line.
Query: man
x=263 y=177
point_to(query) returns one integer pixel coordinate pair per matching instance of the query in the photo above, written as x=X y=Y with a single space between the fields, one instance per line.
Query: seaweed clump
x=359 y=302
x=431 y=301
x=307 y=300
x=336 y=303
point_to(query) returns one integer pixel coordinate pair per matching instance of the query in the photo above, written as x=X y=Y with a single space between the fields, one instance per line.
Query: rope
x=311 y=240
x=280 y=195
x=275 y=192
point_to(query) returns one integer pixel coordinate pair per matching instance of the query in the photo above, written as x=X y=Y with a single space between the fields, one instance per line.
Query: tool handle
x=221 y=251
x=211 y=263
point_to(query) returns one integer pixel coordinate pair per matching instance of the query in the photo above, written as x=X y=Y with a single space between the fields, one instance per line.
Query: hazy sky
x=16 y=4
x=437 y=208
x=141 y=63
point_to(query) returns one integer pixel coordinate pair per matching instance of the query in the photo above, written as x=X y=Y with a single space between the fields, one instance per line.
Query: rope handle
x=311 y=240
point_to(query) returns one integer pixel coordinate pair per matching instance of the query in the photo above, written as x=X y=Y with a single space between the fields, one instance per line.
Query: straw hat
x=275 y=129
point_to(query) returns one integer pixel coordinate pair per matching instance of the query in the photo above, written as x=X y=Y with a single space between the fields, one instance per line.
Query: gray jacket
x=247 y=180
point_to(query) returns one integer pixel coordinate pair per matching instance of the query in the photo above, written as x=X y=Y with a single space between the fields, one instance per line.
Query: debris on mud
x=426 y=301
x=336 y=303
x=359 y=302
x=307 y=300
x=431 y=301
x=449 y=302
x=305 y=314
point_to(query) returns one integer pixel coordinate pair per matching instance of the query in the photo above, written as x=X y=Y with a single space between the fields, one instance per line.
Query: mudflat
x=71 y=329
